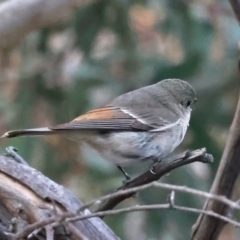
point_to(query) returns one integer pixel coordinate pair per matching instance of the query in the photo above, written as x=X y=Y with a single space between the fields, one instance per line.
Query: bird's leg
x=124 y=173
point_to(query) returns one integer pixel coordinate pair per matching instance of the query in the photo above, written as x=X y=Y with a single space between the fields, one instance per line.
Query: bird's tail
x=29 y=132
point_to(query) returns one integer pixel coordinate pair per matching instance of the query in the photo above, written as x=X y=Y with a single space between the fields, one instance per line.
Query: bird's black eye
x=188 y=103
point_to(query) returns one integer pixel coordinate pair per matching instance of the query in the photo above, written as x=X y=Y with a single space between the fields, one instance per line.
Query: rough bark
x=27 y=196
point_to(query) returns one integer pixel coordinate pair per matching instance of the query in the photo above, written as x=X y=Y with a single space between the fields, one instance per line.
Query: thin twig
x=193 y=191
x=98 y=201
x=166 y=206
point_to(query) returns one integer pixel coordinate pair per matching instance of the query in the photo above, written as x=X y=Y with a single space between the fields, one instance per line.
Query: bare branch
x=170 y=205
x=74 y=216
x=160 y=170
x=29 y=196
x=63 y=206
x=207 y=228
x=156 y=207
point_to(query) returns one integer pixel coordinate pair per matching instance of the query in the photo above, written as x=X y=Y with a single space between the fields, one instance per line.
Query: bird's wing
x=109 y=118
x=114 y=118
x=106 y=118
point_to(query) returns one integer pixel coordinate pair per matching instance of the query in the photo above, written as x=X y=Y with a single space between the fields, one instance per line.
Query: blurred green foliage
x=106 y=49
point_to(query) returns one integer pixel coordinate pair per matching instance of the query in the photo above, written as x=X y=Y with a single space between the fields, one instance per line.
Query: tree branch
x=183 y=189
x=160 y=170
x=207 y=228
x=166 y=206
x=80 y=214
x=44 y=204
x=31 y=197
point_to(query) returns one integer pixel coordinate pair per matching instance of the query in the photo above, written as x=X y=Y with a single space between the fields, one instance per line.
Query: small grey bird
x=145 y=124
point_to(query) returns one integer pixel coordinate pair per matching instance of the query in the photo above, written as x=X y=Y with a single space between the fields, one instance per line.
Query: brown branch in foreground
x=19 y=17
x=30 y=197
x=160 y=170
x=207 y=228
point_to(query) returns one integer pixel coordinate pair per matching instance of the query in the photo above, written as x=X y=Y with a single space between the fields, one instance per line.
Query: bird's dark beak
x=195 y=100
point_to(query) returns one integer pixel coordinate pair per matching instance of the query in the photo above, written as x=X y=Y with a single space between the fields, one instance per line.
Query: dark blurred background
x=105 y=49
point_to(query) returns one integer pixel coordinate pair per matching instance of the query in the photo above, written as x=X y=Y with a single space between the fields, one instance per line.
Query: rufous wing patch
x=103 y=113
x=108 y=117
